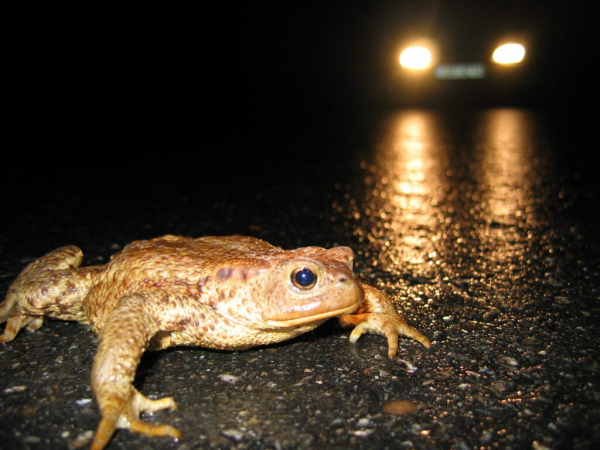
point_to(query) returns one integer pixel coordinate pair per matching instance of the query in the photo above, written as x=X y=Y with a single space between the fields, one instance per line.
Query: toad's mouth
x=312 y=318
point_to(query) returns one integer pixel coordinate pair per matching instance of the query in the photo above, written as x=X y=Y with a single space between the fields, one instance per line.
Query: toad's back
x=170 y=263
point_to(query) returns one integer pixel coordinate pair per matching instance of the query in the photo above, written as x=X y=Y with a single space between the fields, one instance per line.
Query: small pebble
x=336 y=423
x=507 y=363
x=539 y=446
x=361 y=433
x=410 y=367
x=502 y=388
x=14 y=389
x=227 y=378
x=487 y=438
x=234 y=434
x=364 y=422
x=490 y=315
x=82 y=440
x=400 y=407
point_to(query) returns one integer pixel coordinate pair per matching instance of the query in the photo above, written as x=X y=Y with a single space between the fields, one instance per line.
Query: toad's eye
x=304 y=278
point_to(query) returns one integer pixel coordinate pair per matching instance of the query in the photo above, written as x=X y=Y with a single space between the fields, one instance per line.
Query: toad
x=219 y=292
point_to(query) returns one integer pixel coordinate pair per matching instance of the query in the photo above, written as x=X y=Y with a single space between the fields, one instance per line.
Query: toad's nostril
x=343 y=279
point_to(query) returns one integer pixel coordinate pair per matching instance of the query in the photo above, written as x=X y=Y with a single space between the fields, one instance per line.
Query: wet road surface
x=482 y=225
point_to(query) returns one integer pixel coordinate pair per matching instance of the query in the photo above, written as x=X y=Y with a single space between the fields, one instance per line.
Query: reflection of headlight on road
x=509 y=54
x=416 y=58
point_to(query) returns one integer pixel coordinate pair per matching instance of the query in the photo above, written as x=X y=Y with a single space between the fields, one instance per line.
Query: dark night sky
x=267 y=51
x=119 y=87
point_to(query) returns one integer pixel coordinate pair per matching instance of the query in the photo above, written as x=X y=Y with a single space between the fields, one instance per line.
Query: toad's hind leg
x=50 y=285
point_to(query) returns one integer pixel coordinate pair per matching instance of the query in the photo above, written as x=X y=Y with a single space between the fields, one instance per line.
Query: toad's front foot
x=123 y=340
x=389 y=325
x=125 y=414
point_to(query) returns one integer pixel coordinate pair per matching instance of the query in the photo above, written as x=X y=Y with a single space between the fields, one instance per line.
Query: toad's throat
x=312 y=318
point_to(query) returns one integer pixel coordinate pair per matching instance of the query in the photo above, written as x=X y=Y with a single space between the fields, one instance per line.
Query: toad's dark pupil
x=304 y=278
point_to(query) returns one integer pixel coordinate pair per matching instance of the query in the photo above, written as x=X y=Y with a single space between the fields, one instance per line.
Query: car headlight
x=416 y=58
x=509 y=54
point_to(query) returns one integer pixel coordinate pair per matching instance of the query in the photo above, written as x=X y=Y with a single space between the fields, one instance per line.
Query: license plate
x=460 y=71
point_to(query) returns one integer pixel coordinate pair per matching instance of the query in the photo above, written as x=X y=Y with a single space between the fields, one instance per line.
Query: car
x=488 y=53
x=495 y=72
x=420 y=56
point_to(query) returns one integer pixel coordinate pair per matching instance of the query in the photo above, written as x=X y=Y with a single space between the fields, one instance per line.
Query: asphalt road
x=483 y=226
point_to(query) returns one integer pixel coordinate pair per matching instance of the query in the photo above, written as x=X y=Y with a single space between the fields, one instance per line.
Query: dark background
x=120 y=96
x=268 y=119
